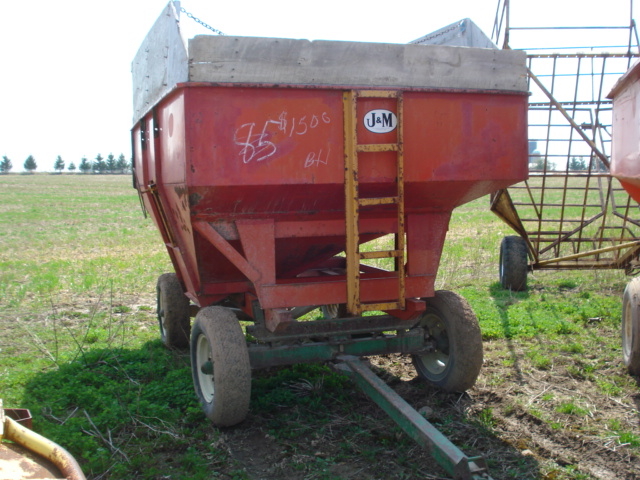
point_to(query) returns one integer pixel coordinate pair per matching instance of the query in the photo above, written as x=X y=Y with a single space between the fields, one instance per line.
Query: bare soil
x=510 y=417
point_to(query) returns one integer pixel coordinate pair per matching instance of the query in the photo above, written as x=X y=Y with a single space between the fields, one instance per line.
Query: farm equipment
x=277 y=170
x=26 y=454
x=579 y=207
x=625 y=165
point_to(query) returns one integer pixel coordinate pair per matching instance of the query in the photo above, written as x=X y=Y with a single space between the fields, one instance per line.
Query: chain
x=197 y=20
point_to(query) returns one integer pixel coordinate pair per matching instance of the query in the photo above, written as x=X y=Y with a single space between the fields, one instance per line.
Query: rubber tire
x=631 y=327
x=513 y=263
x=455 y=363
x=217 y=337
x=173 y=312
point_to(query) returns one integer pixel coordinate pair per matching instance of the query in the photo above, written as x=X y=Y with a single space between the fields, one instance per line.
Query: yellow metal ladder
x=354 y=202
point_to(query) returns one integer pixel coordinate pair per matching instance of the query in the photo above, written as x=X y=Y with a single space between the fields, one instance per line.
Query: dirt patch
x=518 y=417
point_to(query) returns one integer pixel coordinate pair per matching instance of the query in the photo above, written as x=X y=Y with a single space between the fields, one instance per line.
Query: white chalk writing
x=258 y=144
x=317 y=158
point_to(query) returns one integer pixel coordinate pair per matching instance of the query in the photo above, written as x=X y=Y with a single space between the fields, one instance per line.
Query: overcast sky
x=65 y=81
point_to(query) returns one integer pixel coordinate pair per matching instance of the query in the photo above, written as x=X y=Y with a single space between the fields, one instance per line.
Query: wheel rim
x=627 y=332
x=161 y=316
x=436 y=361
x=330 y=311
x=204 y=361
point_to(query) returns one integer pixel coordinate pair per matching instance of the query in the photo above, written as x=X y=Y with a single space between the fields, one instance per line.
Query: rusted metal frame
x=536 y=174
x=578 y=103
x=546 y=152
x=213 y=237
x=309 y=228
x=561 y=109
x=352 y=208
x=566 y=177
x=448 y=456
x=606 y=202
x=288 y=295
x=579 y=265
x=591 y=240
x=624 y=261
x=259 y=246
x=597 y=130
x=505 y=15
x=335 y=326
x=563 y=238
x=400 y=235
x=625 y=217
x=533 y=201
x=503 y=206
x=595 y=252
x=152 y=188
x=584 y=55
x=632 y=30
x=265 y=356
x=572 y=123
x=586 y=190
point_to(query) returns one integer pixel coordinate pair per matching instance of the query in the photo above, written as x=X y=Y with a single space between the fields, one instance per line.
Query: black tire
x=220 y=366
x=173 y=312
x=513 y=263
x=456 y=359
x=631 y=327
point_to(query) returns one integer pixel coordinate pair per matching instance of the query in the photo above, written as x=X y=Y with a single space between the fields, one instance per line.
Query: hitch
x=448 y=456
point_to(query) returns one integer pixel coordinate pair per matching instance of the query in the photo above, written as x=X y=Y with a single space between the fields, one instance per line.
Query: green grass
x=79 y=348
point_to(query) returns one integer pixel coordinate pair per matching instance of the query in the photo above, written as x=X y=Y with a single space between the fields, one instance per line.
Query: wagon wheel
x=631 y=326
x=173 y=312
x=334 y=310
x=513 y=263
x=220 y=366
x=454 y=360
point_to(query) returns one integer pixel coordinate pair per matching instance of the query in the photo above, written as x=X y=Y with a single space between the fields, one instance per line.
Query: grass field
x=79 y=347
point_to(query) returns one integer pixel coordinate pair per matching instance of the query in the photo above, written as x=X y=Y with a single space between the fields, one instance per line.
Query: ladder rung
x=369 y=307
x=380 y=254
x=377 y=201
x=377 y=147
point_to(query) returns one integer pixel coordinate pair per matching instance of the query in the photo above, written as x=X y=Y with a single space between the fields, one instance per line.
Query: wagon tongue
x=452 y=459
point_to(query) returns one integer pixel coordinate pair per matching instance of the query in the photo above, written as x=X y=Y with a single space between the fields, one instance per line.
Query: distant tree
x=5 y=165
x=577 y=164
x=121 y=163
x=30 y=164
x=85 y=166
x=72 y=167
x=538 y=163
x=99 y=166
x=59 y=165
x=110 y=164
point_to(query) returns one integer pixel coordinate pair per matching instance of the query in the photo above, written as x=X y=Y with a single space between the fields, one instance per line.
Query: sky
x=65 y=67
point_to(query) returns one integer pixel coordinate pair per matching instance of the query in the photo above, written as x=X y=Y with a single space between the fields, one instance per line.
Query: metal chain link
x=197 y=20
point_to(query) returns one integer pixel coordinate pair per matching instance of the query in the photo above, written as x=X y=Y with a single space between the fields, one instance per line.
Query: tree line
x=99 y=165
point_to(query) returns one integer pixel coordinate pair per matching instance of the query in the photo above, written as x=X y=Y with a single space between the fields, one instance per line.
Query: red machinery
x=279 y=171
x=625 y=166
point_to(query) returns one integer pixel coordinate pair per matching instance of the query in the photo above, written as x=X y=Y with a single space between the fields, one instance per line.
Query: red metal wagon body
x=625 y=157
x=253 y=168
